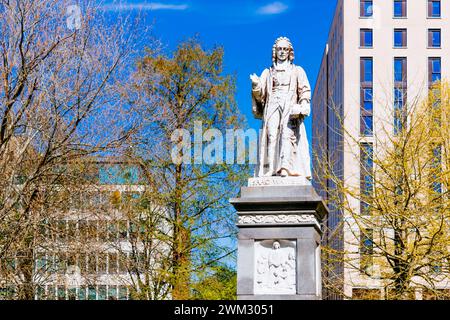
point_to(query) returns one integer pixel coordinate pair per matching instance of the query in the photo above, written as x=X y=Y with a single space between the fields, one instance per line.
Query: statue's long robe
x=299 y=94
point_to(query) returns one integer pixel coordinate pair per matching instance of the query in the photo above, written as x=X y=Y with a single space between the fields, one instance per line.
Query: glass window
x=368 y=185
x=61 y=293
x=52 y=265
x=123 y=258
x=116 y=174
x=82 y=263
x=437 y=164
x=40 y=262
x=366 y=37
x=367 y=157
x=434 y=70
x=112 y=230
x=82 y=293
x=368 y=99
x=399 y=110
x=367 y=125
x=92 y=293
x=112 y=293
x=434 y=8
x=101 y=263
x=366 y=176
x=61 y=262
x=399 y=8
x=400 y=38
x=112 y=262
x=437 y=65
x=400 y=70
x=368 y=73
x=123 y=293
x=434 y=38
x=40 y=293
x=51 y=293
x=365 y=208
x=101 y=293
x=367 y=242
x=366 y=250
x=72 y=293
x=92 y=263
x=366 y=70
x=366 y=8
x=398 y=96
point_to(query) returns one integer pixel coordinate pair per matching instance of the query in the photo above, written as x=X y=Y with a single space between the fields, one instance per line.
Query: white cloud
x=273 y=8
x=143 y=6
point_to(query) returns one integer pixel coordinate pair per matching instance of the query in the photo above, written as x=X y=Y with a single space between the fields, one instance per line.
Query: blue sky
x=245 y=28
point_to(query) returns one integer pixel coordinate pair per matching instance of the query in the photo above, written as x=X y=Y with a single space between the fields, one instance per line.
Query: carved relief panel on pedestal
x=275 y=267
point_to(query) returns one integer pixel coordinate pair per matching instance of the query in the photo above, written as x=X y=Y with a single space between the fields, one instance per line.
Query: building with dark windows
x=380 y=55
x=92 y=247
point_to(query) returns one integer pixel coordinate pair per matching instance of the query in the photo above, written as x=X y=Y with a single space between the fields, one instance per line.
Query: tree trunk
x=181 y=244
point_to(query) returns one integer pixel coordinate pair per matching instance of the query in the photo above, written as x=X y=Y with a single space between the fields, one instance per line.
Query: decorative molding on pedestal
x=279 y=242
x=249 y=219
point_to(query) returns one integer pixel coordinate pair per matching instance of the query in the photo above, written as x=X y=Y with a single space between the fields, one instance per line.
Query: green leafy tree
x=218 y=284
x=171 y=93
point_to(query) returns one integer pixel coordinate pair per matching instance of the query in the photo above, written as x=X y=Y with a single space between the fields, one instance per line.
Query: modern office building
x=89 y=249
x=380 y=55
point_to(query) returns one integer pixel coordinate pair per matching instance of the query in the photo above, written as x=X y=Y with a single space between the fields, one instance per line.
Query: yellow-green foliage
x=409 y=208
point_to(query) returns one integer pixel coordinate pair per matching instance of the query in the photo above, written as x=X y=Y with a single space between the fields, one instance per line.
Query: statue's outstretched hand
x=255 y=80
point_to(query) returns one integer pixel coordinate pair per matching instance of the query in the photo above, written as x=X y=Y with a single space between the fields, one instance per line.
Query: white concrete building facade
x=380 y=55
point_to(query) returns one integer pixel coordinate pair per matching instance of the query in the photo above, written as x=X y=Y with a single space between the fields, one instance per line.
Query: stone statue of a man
x=281 y=98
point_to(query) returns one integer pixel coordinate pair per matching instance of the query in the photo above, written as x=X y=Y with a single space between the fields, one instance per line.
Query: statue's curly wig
x=274 y=50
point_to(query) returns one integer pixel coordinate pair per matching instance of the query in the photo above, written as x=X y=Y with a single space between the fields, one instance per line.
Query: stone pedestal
x=279 y=240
